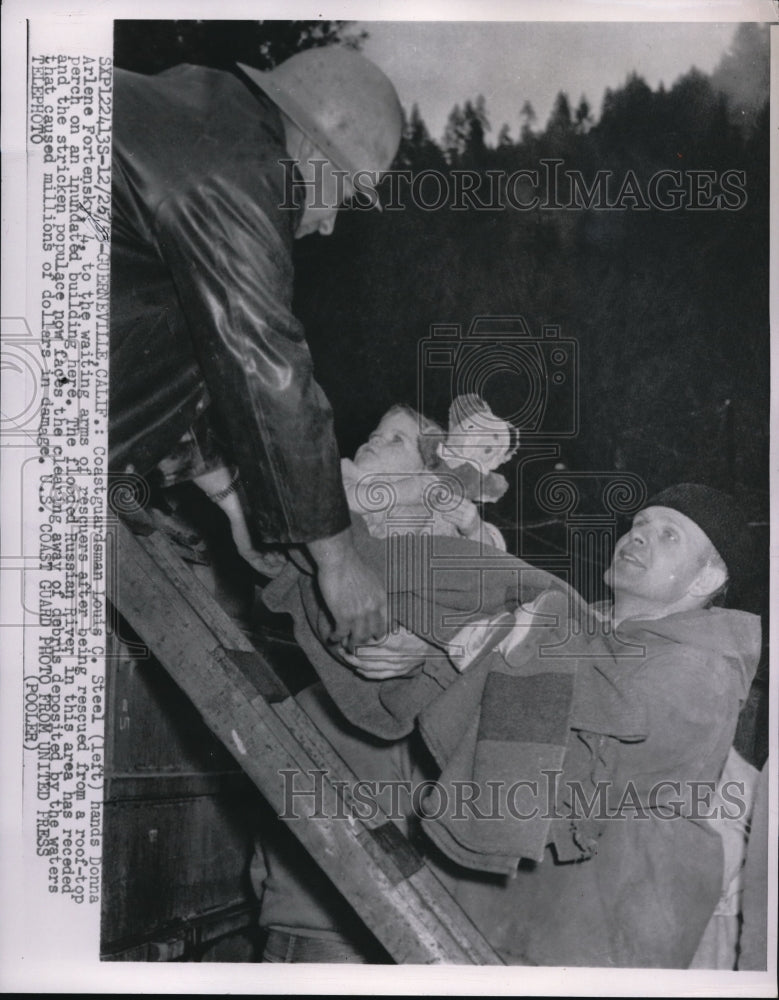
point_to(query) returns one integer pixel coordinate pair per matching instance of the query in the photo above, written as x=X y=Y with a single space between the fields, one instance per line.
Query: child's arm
x=468 y=522
x=398 y=653
x=220 y=486
x=471 y=639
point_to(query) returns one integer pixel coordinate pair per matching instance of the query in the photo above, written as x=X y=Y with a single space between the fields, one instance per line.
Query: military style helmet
x=341 y=101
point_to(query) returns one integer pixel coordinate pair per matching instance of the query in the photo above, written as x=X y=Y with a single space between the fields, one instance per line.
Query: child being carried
x=411 y=477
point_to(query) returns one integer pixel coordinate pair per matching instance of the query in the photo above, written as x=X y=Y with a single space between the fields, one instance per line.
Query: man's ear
x=708 y=581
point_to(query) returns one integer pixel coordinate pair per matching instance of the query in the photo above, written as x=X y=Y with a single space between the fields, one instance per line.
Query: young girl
x=399 y=483
x=402 y=480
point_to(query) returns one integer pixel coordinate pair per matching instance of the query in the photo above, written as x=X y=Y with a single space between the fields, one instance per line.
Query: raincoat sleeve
x=228 y=247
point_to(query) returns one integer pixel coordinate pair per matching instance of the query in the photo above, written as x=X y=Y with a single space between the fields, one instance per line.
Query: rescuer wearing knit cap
x=656 y=735
x=688 y=547
x=214 y=176
x=645 y=704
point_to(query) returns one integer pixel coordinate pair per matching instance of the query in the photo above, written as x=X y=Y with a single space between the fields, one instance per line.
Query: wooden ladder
x=247 y=707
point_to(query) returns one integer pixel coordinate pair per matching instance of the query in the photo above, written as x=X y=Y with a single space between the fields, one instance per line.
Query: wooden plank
x=159 y=785
x=406 y=908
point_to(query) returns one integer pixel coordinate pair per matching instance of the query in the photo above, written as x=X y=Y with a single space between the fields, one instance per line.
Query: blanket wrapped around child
x=509 y=716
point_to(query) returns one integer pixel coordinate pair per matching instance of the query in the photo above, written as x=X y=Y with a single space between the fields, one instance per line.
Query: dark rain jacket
x=202 y=332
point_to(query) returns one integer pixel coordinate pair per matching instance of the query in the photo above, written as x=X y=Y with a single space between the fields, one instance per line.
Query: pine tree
x=560 y=122
x=527 y=119
x=476 y=125
x=417 y=150
x=455 y=135
x=583 y=116
x=504 y=137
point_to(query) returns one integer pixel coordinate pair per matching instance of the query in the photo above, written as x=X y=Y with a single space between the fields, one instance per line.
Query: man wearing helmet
x=207 y=361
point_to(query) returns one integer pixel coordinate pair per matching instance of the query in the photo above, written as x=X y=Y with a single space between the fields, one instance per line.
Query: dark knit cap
x=723 y=522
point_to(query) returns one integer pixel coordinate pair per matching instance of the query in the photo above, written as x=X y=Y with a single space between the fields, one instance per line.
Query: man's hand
x=354 y=595
x=394 y=655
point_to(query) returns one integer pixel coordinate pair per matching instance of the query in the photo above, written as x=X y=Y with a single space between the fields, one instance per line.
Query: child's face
x=392 y=447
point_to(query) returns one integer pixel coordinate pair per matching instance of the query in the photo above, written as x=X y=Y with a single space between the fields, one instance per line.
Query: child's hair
x=430 y=434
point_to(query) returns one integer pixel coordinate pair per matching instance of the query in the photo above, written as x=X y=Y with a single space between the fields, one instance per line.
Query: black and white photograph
x=388 y=484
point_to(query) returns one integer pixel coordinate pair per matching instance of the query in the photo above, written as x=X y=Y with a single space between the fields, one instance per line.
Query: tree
x=692 y=102
x=282 y=42
x=632 y=113
x=463 y=140
x=476 y=125
x=417 y=150
x=743 y=72
x=560 y=123
x=527 y=119
x=455 y=134
x=416 y=131
x=504 y=137
x=583 y=116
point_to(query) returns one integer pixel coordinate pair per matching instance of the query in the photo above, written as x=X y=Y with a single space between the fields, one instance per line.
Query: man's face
x=392 y=447
x=325 y=192
x=659 y=559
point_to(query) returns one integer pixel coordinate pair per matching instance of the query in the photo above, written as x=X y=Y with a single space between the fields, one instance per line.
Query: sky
x=438 y=64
